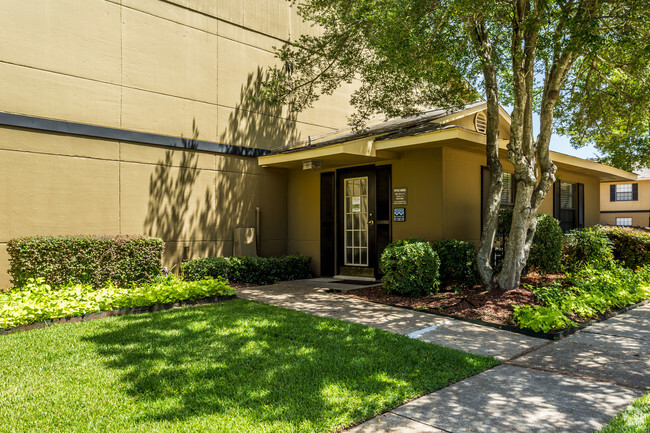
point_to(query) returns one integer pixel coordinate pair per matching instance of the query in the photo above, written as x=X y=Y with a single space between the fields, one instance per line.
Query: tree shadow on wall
x=203 y=221
x=254 y=123
x=175 y=213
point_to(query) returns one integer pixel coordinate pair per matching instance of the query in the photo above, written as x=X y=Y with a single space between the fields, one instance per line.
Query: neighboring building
x=626 y=203
x=421 y=177
x=125 y=117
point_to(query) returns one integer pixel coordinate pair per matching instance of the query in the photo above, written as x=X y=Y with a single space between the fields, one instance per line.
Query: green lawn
x=634 y=419
x=233 y=367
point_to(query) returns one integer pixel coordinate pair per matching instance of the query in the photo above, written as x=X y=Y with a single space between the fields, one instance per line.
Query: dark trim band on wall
x=92 y=131
x=625 y=211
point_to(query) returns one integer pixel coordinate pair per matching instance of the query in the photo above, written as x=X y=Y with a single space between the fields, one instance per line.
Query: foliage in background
x=631 y=245
x=457 y=261
x=545 y=254
x=585 y=295
x=588 y=246
x=85 y=259
x=38 y=301
x=410 y=267
x=546 y=250
x=250 y=270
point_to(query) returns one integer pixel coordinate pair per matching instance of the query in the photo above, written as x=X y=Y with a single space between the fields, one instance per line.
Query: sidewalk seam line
x=575 y=376
x=418 y=421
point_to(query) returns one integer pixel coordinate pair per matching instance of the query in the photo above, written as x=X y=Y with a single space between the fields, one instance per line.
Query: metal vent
x=480 y=122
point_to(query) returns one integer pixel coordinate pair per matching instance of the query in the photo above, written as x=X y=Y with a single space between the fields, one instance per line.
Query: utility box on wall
x=244 y=243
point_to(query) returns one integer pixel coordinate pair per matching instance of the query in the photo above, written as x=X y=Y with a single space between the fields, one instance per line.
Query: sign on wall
x=399 y=214
x=400 y=196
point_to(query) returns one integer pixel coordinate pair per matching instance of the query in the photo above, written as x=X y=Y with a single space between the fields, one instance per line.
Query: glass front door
x=356 y=221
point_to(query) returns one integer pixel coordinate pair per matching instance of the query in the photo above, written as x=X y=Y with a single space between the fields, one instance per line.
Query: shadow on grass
x=264 y=365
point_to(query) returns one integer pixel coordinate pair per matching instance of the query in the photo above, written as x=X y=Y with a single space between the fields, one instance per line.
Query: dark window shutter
x=581 y=205
x=612 y=193
x=635 y=192
x=556 y=200
x=327 y=221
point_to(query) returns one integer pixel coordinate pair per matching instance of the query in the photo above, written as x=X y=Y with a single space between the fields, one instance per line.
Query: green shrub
x=589 y=246
x=198 y=269
x=541 y=319
x=85 y=259
x=38 y=301
x=546 y=250
x=631 y=245
x=410 y=267
x=457 y=261
x=249 y=270
x=586 y=294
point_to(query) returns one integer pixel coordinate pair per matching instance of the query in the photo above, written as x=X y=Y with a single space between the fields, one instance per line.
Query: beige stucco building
x=422 y=177
x=626 y=203
x=134 y=116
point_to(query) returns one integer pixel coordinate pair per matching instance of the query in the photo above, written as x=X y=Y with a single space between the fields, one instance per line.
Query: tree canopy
x=581 y=64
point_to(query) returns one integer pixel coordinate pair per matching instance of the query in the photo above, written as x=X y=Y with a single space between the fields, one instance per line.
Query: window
x=508 y=191
x=568 y=204
x=624 y=221
x=624 y=192
x=567 y=201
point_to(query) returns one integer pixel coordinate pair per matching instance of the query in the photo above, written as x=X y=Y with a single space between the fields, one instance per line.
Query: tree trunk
x=491 y=217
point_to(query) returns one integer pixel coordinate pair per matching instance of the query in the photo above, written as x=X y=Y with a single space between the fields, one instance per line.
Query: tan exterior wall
x=183 y=68
x=422 y=173
x=621 y=209
x=444 y=198
x=165 y=67
x=59 y=184
x=303 y=215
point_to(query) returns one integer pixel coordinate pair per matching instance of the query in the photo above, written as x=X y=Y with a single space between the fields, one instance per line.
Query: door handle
x=371 y=222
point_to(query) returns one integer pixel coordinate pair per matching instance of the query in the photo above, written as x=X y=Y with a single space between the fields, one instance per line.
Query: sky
x=561 y=143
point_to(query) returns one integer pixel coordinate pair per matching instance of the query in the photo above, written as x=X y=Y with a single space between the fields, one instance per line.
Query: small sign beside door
x=399 y=214
x=400 y=196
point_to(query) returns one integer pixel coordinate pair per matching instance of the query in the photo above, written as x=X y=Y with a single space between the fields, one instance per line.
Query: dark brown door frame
x=331 y=213
x=342 y=174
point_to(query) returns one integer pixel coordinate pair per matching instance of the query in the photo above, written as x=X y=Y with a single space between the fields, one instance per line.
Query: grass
x=634 y=419
x=238 y=366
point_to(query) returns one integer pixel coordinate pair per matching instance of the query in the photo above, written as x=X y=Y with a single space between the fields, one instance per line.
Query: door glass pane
x=356 y=221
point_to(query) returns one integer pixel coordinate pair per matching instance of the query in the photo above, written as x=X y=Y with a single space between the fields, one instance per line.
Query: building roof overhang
x=390 y=144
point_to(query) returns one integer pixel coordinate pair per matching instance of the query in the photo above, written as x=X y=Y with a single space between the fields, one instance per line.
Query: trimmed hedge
x=457 y=261
x=249 y=270
x=631 y=245
x=85 y=259
x=410 y=267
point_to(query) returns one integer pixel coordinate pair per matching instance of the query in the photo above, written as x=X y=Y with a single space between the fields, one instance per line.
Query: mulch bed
x=475 y=303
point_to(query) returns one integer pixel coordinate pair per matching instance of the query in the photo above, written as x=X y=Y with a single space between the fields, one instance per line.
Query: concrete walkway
x=575 y=384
